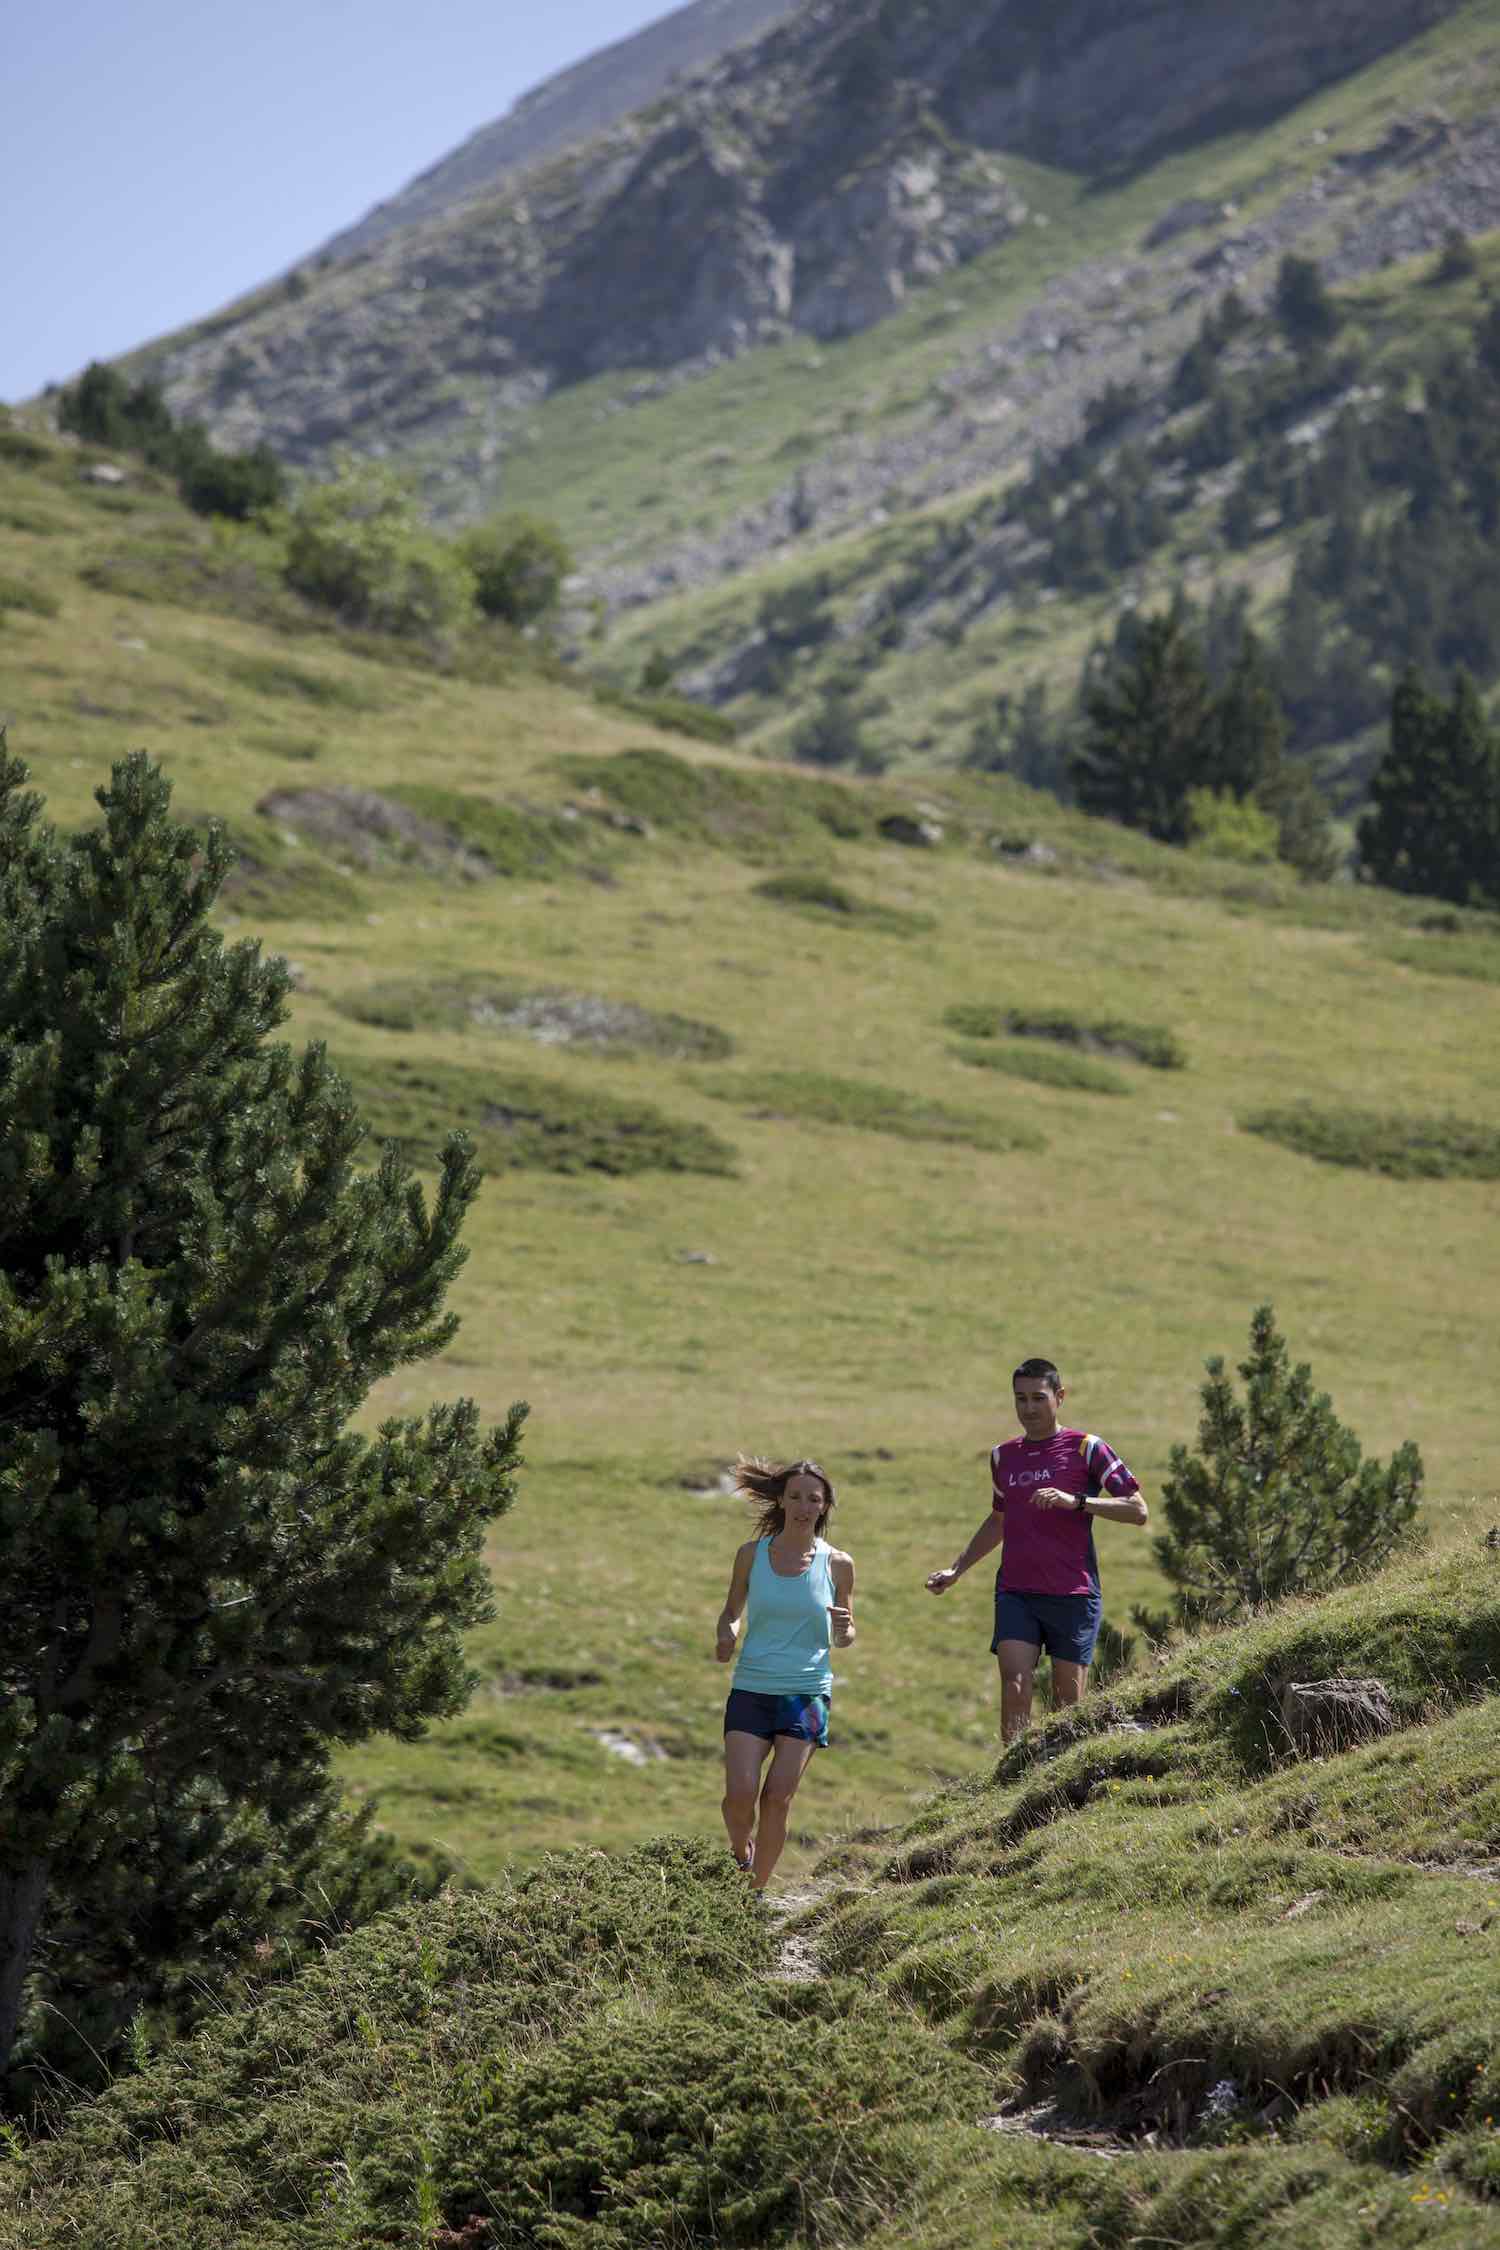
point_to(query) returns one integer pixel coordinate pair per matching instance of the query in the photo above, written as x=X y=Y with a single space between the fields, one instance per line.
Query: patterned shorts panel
x=804 y=1717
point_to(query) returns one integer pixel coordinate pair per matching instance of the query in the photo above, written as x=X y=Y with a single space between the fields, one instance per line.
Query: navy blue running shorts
x=805 y=1717
x=1065 y=1625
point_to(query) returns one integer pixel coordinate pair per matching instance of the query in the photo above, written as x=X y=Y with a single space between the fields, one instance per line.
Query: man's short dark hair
x=1038 y=1370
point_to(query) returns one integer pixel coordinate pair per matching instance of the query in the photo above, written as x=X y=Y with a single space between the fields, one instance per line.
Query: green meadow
x=747 y=1189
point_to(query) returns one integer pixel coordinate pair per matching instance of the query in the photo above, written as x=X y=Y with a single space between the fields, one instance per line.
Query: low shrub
x=298 y=683
x=755 y=815
x=679 y=2125
x=521 y=842
x=1472 y=954
x=19 y=593
x=818 y=894
x=533 y=1124
x=553 y=1017
x=676 y=714
x=1401 y=1146
x=819 y=1099
x=1149 y=1043
x=1077 y=1073
x=24 y=451
x=358 y=546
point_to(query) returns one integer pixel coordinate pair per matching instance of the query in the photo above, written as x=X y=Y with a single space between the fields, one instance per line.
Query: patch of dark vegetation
x=757 y=815
x=272 y=880
x=370 y=831
x=632 y=2140
x=553 y=1018
x=23 y=451
x=673 y=714
x=1149 y=1043
x=830 y=901
x=1074 y=1073
x=1400 y=1146
x=236 y=2137
x=559 y=1679
x=813 y=1097
x=522 y=842
x=20 y=594
x=533 y=1124
x=1470 y=953
x=278 y=676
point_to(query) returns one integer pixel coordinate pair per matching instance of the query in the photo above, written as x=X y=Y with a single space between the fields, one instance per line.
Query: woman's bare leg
x=744 y=1755
x=787 y=1768
x=1069 y=1683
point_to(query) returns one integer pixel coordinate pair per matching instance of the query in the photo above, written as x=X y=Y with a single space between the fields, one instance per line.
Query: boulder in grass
x=1323 y=1715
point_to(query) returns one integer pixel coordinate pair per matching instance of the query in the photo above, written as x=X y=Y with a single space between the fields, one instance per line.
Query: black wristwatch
x=1082 y=1500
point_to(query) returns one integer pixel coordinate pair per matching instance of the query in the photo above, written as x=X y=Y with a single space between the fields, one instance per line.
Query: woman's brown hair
x=764 y=1483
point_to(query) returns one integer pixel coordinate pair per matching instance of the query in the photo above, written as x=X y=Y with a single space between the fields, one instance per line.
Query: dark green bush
x=560 y=1019
x=24 y=450
x=824 y=1100
x=674 y=714
x=817 y=894
x=1401 y=1146
x=519 y=841
x=1074 y=1072
x=18 y=593
x=519 y=564
x=531 y=1124
x=674 y=2125
x=1149 y=1043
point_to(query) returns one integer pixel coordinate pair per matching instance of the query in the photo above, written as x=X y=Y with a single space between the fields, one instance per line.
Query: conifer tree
x=1434 y=819
x=1150 y=733
x=1277 y=1499
x=206 y=1572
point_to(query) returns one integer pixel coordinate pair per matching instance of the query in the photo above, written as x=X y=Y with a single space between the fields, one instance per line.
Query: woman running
x=796 y=1596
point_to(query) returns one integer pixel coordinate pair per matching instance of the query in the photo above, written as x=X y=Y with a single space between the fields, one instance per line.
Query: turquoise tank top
x=784 y=1647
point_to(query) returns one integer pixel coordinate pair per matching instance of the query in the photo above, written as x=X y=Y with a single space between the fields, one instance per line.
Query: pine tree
x=208 y=1575
x=1277 y=1499
x=1308 y=316
x=1434 y=820
x=1150 y=733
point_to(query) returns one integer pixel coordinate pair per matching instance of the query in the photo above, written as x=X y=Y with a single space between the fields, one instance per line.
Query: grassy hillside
x=789 y=1208
x=1151 y=1980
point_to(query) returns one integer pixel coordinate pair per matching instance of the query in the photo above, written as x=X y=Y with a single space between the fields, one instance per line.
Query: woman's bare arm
x=841 y=1612
x=734 y=1603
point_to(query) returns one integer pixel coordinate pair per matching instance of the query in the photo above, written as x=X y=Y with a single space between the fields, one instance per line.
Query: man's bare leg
x=1069 y=1683
x=1017 y=1676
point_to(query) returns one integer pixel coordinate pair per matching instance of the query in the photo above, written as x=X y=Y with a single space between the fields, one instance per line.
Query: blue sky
x=161 y=156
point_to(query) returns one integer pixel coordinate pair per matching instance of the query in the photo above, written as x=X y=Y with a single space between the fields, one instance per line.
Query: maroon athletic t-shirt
x=1051 y=1550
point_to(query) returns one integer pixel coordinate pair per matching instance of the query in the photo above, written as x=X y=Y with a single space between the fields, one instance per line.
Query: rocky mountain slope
x=802 y=183
x=570 y=106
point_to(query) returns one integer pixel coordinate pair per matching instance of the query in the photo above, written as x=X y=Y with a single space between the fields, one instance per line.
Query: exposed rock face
x=572 y=106
x=803 y=182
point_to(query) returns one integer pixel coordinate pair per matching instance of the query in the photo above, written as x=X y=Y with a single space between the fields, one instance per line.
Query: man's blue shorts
x=804 y=1717
x=1065 y=1625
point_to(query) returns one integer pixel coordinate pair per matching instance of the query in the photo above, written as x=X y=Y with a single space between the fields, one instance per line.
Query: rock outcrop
x=804 y=182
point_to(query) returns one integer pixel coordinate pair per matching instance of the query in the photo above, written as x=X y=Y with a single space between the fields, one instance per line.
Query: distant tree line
x=1395 y=489
x=104 y=409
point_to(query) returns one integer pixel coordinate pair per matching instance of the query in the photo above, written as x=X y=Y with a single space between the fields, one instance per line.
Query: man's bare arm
x=984 y=1542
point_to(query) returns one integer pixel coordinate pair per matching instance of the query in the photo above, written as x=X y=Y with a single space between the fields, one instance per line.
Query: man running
x=1049 y=1486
